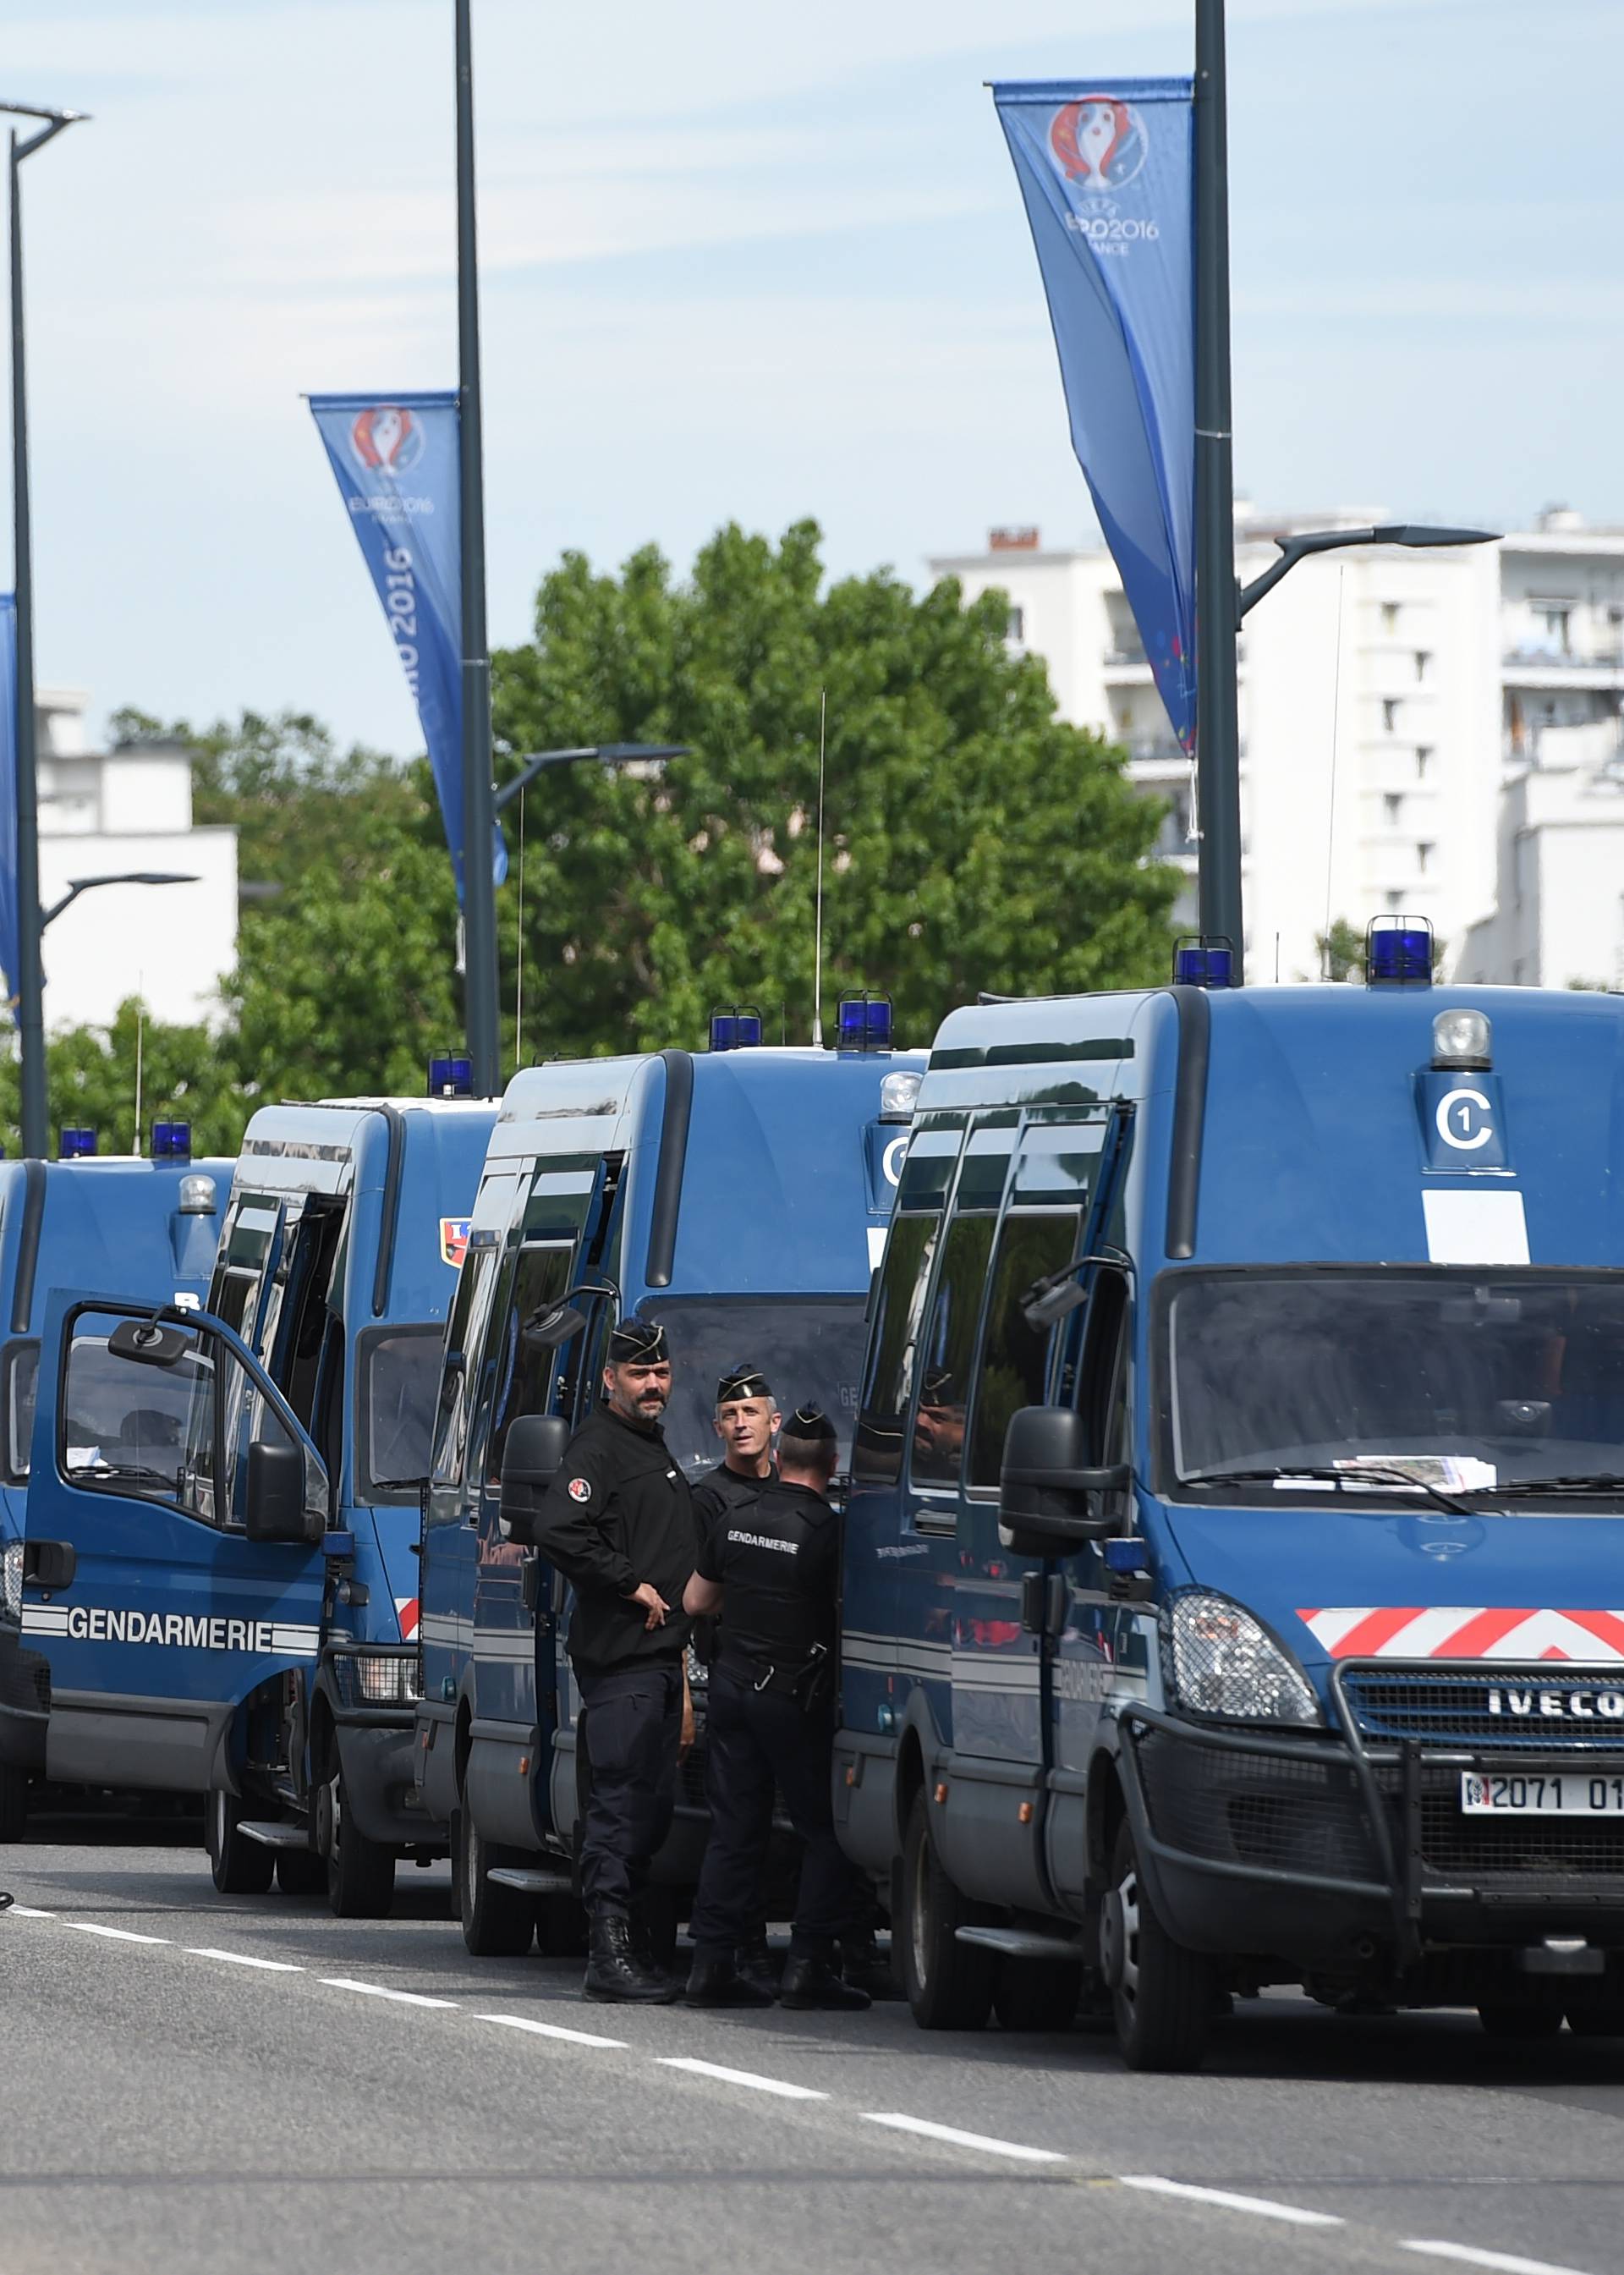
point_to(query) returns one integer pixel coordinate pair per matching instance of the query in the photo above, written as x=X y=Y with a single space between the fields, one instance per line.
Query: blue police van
x=1233 y=1569
x=251 y=1641
x=741 y=1197
x=155 y=1223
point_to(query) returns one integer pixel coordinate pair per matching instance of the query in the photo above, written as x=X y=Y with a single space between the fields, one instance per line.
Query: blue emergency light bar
x=1398 y=952
x=1204 y=964
x=451 y=1075
x=171 y=1141
x=735 y=1027
x=75 y=1145
x=864 y=1022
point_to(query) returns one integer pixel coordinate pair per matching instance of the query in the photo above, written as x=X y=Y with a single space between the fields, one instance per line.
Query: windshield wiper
x=1366 y=1473
x=132 y=1473
x=1580 y=1481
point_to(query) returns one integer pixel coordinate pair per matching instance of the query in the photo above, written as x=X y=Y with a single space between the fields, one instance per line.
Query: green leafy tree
x=972 y=840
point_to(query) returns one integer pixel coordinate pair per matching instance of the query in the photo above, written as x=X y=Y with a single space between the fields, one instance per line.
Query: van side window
x=877 y=1451
x=463 y=1334
x=946 y=1350
x=1014 y=1357
x=523 y=1372
x=234 y=1294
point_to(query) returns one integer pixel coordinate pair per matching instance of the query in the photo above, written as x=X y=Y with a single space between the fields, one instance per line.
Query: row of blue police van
x=1230 y=1385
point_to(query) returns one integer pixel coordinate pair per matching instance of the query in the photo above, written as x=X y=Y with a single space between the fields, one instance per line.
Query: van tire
x=949 y=1984
x=1162 y=1999
x=360 y=1873
x=13 y=1801
x=1520 y=2023
x=1597 y=2022
x=498 y=1922
x=301 y=1872
x=240 y=1867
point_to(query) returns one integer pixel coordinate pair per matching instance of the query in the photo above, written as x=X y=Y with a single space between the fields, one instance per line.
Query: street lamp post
x=27 y=978
x=78 y=885
x=609 y=754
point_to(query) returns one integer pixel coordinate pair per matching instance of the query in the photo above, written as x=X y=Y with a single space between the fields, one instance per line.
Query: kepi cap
x=639 y=1343
x=808 y=1425
x=743 y=1381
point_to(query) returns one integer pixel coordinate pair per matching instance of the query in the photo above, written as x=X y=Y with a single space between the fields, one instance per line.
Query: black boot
x=752 y=1962
x=616 y=1974
x=867 y=1967
x=716 y=1981
x=814 y=1983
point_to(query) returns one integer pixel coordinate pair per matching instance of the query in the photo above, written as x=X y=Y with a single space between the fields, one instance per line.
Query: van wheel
x=1161 y=1994
x=13 y=1801
x=360 y=1873
x=1521 y=2022
x=949 y=1984
x=498 y=1922
x=240 y=1867
x=1037 y=1994
x=301 y=1872
x=1597 y=2022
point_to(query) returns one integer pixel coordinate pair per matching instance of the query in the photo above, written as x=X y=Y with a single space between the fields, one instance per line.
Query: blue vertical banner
x=8 y=793
x=397 y=466
x=1107 y=176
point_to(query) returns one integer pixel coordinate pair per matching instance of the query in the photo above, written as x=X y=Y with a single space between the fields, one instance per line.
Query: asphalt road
x=189 y=2081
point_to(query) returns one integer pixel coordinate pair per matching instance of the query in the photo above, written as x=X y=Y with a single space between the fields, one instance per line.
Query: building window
x=1389 y=615
x=1392 y=805
x=1423 y=856
x=1015 y=629
x=1556 y=625
x=1423 y=663
x=1424 y=759
x=1395 y=902
x=1389 y=713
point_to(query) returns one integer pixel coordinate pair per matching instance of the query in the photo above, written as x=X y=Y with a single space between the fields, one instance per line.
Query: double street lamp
x=27 y=978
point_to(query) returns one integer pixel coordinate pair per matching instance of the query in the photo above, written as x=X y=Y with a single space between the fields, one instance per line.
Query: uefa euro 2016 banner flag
x=397 y=465
x=1106 y=173
x=9 y=903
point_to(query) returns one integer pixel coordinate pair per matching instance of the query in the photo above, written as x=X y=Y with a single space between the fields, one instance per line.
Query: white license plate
x=1542 y=1793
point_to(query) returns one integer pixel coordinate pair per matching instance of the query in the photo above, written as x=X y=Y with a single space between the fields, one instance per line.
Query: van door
x=446 y=1563
x=200 y=1574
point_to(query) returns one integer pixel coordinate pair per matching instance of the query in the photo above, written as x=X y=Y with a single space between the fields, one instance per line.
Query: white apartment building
x=106 y=814
x=1391 y=701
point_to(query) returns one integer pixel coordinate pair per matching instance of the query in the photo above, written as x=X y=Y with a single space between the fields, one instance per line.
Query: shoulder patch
x=580 y=1488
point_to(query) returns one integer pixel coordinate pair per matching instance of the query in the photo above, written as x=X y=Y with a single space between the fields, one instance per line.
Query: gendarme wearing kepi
x=618 y=1523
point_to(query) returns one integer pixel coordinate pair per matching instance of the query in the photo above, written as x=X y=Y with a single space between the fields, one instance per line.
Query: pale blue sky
x=754 y=263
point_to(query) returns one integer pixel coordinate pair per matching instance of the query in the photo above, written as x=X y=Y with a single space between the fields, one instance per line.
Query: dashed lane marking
x=741 y=2077
x=550 y=2031
x=958 y=2139
x=242 y=1959
x=27 y=1911
x=1262 y=2206
x=379 y=1991
x=1507 y=2263
x=113 y=1934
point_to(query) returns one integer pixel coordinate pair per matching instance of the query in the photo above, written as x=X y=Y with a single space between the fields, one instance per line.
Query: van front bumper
x=25 y=1703
x=1331 y=1854
x=377 y=1754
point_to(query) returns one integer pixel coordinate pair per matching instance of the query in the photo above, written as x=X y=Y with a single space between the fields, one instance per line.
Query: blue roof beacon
x=741 y=1197
x=1234 y=1557
x=239 y=1487
x=152 y=1224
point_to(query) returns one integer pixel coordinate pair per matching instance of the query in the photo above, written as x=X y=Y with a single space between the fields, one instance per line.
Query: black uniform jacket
x=618 y=1513
x=778 y=1561
x=720 y=1492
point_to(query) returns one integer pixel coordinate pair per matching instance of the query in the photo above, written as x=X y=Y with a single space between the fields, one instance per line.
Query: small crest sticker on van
x=454 y=1240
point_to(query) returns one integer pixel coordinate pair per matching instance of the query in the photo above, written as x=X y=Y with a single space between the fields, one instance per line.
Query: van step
x=1021 y=1943
x=276 y=1835
x=529 y=1882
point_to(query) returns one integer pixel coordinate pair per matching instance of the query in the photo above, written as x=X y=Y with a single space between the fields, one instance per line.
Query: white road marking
x=952 y=2134
x=27 y=1911
x=116 y=1934
x=1507 y=2261
x=1261 y=2205
x=242 y=1959
x=377 y=1990
x=549 y=2031
x=742 y=2077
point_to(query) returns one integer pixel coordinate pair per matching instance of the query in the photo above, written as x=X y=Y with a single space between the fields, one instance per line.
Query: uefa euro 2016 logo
x=1098 y=143
x=386 y=440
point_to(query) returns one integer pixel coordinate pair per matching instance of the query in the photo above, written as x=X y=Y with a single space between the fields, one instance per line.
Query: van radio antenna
x=140 y=1037
x=823 y=712
x=1336 y=717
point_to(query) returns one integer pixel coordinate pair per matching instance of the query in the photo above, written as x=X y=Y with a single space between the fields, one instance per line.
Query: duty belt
x=808 y=1681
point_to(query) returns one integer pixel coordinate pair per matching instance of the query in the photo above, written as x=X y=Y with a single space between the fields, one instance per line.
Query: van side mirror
x=50 y=1564
x=1049 y=1492
x=531 y=1458
x=274 y=1506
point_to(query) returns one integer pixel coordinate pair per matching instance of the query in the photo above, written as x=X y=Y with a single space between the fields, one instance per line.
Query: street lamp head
x=1418 y=533
x=44 y=110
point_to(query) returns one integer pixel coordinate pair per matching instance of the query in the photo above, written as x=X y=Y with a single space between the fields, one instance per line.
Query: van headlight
x=12 y=1582
x=385 y=1680
x=1221 y=1663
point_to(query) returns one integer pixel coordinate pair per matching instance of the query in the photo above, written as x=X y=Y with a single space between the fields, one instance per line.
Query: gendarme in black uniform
x=772 y=1720
x=619 y=1514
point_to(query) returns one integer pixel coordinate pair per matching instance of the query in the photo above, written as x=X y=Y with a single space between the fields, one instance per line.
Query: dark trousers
x=629 y=1728
x=753 y=1740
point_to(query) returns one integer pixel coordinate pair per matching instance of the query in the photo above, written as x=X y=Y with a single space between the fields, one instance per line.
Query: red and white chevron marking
x=1466 y=1631
x=406 y=1608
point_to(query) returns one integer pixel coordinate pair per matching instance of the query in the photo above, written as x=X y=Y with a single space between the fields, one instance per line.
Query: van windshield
x=810 y=1348
x=1466 y=1378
